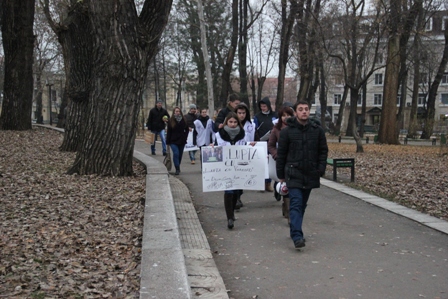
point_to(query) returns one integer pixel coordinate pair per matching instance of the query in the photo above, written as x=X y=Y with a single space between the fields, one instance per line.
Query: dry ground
x=65 y=236
x=413 y=176
x=75 y=236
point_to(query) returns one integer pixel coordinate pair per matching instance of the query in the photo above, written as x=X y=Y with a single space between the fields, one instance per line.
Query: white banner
x=190 y=146
x=233 y=167
x=264 y=145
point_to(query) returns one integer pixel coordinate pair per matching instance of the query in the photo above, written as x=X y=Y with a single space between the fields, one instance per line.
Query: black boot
x=177 y=171
x=237 y=200
x=228 y=205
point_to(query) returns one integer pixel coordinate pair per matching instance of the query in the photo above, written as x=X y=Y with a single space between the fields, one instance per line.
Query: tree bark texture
x=389 y=108
x=18 y=44
x=430 y=115
x=124 y=43
x=75 y=36
x=227 y=70
x=242 y=52
x=285 y=38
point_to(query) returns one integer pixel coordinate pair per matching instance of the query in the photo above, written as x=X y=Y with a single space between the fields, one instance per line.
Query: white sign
x=264 y=145
x=190 y=146
x=233 y=167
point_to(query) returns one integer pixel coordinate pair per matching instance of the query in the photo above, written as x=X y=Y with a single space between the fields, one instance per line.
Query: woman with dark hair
x=176 y=136
x=284 y=113
x=231 y=133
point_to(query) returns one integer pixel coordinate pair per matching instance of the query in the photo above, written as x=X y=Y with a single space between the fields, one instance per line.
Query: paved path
x=354 y=249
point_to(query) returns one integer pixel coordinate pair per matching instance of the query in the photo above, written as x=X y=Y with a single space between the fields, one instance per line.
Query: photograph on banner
x=264 y=145
x=190 y=146
x=233 y=167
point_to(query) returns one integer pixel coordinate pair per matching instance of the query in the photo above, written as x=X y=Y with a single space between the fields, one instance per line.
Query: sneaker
x=153 y=153
x=192 y=162
x=299 y=244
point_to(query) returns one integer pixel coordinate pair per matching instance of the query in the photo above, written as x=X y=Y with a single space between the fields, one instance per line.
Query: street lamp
x=49 y=84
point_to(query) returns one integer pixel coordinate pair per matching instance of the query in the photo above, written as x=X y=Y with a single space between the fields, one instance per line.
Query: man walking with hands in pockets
x=301 y=161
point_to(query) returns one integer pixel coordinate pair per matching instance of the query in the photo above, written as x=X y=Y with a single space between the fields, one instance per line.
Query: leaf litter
x=65 y=236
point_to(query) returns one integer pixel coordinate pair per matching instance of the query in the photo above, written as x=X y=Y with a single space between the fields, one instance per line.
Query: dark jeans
x=298 y=202
x=178 y=151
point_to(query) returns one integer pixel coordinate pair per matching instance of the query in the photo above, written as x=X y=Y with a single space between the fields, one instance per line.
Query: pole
x=49 y=100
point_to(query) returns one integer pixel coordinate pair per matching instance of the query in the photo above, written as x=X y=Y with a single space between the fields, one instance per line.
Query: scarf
x=266 y=113
x=232 y=132
x=178 y=117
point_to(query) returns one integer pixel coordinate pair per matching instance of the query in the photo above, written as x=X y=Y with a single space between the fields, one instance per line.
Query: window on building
x=359 y=99
x=379 y=58
x=444 y=98
x=444 y=22
x=428 y=25
x=337 y=98
x=339 y=79
x=421 y=99
x=444 y=79
x=378 y=99
x=398 y=99
x=423 y=78
x=378 y=79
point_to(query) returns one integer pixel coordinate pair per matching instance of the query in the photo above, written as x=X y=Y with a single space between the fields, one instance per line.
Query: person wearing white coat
x=204 y=130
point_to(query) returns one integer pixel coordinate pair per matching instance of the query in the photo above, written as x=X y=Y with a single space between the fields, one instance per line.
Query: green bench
x=344 y=163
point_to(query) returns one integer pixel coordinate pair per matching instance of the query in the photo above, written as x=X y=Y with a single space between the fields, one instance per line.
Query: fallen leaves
x=413 y=176
x=65 y=236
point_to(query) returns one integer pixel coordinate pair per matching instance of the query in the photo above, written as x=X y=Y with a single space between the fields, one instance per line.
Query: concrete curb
x=163 y=269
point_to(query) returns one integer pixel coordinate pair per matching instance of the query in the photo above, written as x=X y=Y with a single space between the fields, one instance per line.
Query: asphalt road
x=353 y=249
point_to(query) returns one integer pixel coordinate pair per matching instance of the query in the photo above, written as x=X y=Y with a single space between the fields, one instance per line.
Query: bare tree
x=307 y=16
x=288 y=17
x=355 y=45
x=429 y=121
x=73 y=29
x=18 y=43
x=399 y=22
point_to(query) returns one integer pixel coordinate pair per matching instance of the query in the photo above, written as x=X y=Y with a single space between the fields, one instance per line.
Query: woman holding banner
x=231 y=133
x=176 y=136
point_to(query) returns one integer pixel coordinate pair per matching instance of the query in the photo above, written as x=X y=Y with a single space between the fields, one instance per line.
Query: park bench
x=342 y=163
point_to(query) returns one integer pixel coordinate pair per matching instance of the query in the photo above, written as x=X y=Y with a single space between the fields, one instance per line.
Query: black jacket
x=190 y=118
x=155 y=121
x=178 y=133
x=302 y=154
x=263 y=121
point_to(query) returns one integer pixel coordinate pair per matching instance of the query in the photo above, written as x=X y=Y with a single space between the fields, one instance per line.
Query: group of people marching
x=297 y=144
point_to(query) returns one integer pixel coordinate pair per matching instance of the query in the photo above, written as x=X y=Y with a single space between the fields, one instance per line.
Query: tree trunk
x=260 y=84
x=38 y=99
x=323 y=91
x=337 y=127
x=242 y=52
x=211 y=98
x=120 y=37
x=285 y=37
x=76 y=42
x=226 y=88
x=389 y=108
x=18 y=45
x=430 y=115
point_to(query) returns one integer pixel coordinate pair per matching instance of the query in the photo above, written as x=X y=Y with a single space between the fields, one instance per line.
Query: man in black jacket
x=156 y=124
x=301 y=161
